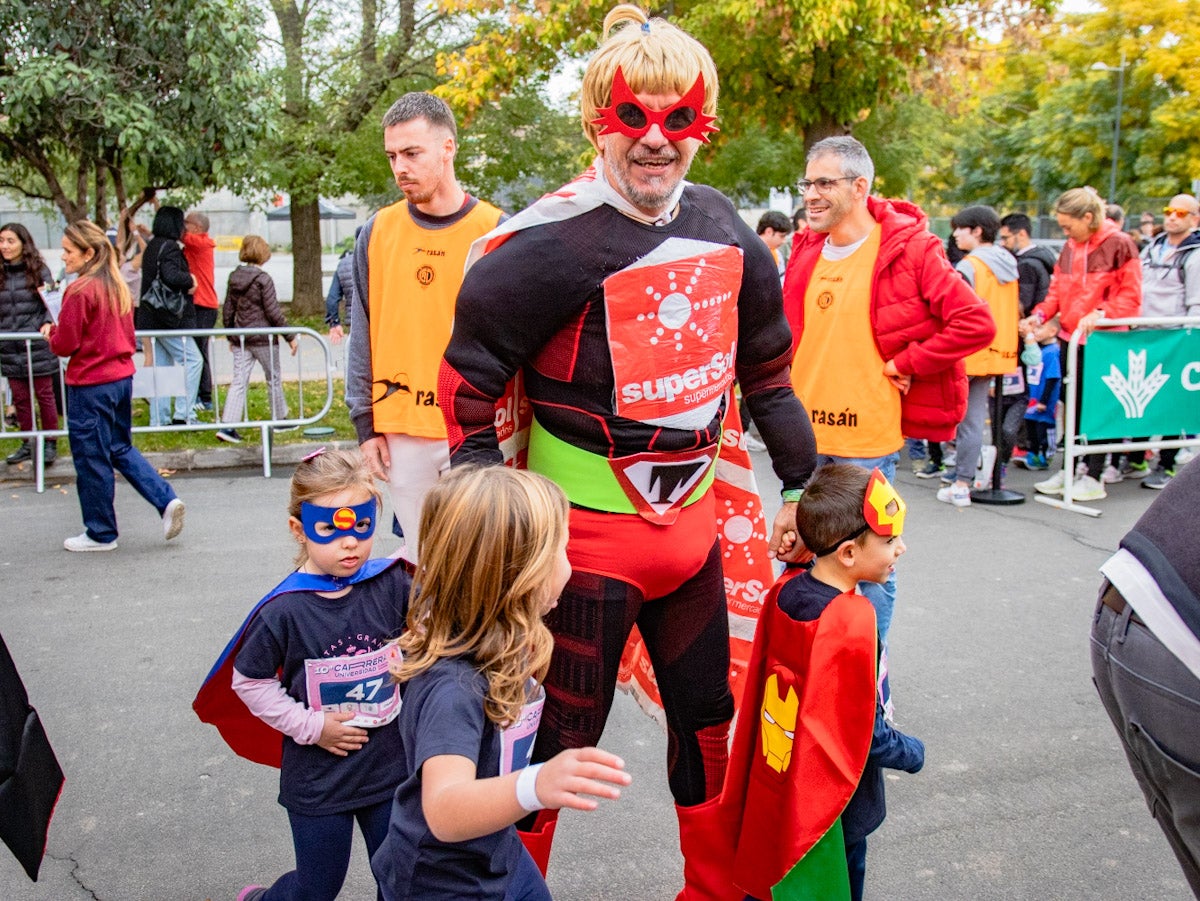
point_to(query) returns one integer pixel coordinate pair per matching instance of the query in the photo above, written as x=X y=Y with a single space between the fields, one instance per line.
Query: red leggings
x=683 y=621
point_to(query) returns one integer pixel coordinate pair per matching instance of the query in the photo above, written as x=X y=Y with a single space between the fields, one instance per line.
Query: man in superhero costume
x=805 y=783
x=630 y=300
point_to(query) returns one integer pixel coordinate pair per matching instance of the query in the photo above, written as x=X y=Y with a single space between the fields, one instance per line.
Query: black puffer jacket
x=22 y=310
x=163 y=259
x=250 y=302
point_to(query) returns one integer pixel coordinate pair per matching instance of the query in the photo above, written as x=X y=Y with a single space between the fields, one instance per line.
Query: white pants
x=417 y=463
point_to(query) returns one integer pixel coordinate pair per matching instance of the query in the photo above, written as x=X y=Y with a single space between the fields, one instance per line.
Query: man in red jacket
x=880 y=323
x=198 y=250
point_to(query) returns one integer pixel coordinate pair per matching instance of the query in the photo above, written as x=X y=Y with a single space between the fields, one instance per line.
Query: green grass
x=338 y=418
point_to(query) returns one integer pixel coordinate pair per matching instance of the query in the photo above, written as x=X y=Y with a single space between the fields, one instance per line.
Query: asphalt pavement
x=1025 y=794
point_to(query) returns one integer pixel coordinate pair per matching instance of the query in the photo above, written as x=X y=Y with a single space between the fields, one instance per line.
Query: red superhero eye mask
x=627 y=116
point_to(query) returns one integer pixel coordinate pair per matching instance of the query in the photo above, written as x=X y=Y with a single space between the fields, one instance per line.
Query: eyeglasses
x=823 y=185
x=1174 y=211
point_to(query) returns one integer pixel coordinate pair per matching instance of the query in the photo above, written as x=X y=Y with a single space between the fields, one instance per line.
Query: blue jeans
x=98 y=423
x=177 y=352
x=322 y=846
x=882 y=597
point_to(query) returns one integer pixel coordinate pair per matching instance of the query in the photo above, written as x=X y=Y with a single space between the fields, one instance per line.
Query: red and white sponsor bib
x=672 y=329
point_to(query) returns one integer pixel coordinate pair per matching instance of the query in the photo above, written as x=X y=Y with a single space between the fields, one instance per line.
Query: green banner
x=1141 y=382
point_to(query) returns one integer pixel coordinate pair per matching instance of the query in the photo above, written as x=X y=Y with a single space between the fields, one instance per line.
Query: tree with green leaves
x=104 y=104
x=340 y=66
x=796 y=71
x=1044 y=121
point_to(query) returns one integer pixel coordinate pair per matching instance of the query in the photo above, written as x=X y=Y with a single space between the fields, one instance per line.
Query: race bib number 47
x=360 y=685
x=672 y=327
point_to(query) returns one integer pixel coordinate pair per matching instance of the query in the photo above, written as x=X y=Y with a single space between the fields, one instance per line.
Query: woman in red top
x=95 y=329
x=1098 y=275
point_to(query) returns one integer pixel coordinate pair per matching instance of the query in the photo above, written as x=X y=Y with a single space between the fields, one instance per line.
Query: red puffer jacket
x=925 y=316
x=1103 y=273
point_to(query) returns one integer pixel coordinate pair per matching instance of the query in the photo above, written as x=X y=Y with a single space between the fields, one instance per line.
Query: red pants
x=43 y=388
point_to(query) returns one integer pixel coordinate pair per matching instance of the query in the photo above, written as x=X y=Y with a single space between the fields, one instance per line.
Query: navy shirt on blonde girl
x=443 y=714
x=330 y=633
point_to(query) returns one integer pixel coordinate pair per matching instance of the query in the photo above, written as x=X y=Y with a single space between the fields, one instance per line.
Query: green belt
x=587 y=478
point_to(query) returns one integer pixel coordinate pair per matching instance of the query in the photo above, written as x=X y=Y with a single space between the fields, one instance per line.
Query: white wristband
x=527 y=789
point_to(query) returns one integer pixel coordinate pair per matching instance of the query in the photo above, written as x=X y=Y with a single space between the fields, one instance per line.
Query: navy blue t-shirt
x=443 y=714
x=301 y=626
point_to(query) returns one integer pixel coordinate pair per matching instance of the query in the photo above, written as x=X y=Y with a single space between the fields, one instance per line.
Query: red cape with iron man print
x=799 y=749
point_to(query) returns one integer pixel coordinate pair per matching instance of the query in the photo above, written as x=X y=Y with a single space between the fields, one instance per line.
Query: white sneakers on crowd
x=1084 y=488
x=172 y=525
x=82 y=543
x=172 y=519
x=958 y=495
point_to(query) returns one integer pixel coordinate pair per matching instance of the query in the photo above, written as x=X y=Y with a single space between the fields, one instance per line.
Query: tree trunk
x=825 y=127
x=307 y=298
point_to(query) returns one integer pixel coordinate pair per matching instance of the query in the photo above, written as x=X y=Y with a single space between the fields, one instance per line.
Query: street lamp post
x=1116 y=151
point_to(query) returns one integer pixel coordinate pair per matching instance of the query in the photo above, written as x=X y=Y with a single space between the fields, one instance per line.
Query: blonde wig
x=489 y=542
x=654 y=56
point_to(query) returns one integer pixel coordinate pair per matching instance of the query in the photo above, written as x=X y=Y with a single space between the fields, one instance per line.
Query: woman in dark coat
x=163 y=260
x=250 y=302
x=30 y=368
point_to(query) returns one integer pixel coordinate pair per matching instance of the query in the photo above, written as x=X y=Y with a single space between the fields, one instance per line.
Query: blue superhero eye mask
x=326 y=524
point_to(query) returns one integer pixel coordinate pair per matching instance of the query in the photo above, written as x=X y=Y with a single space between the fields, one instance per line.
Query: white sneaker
x=172 y=519
x=84 y=543
x=1184 y=457
x=958 y=495
x=1111 y=475
x=754 y=445
x=1088 y=489
x=1052 y=485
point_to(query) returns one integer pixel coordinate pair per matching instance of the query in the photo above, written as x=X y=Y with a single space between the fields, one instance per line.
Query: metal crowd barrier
x=1074 y=447
x=295 y=372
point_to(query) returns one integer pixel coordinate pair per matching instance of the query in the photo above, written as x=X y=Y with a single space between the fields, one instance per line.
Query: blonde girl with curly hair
x=493 y=563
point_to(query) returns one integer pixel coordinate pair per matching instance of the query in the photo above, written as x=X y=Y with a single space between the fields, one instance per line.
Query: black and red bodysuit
x=629 y=336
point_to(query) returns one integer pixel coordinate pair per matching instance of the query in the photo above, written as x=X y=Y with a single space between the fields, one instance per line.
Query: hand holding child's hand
x=565 y=778
x=340 y=739
x=785 y=544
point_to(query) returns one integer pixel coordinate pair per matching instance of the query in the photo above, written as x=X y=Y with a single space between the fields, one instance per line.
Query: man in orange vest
x=880 y=323
x=408 y=266
x=992 y=272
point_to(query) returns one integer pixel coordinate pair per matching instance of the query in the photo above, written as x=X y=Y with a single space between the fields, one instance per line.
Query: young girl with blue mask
x=310 y=670
x=493 y=563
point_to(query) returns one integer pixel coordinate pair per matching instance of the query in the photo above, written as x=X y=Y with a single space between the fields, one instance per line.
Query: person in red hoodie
x=95 y=329
x=880 y=323
x=1098 y=275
